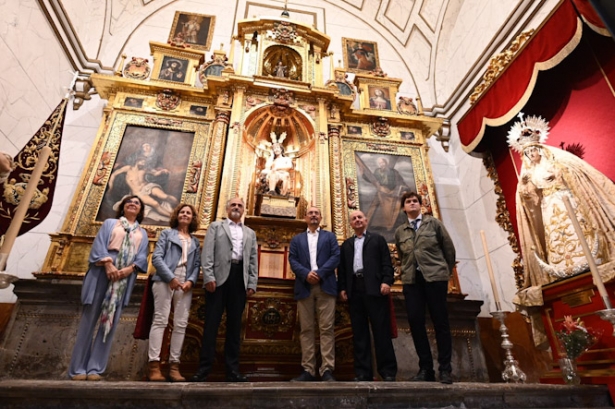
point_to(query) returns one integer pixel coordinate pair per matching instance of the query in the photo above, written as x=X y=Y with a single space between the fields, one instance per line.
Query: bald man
x=365 y=277
x=314 y=256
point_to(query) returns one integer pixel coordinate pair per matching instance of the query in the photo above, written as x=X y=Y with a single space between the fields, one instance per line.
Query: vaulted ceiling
x=438 y=47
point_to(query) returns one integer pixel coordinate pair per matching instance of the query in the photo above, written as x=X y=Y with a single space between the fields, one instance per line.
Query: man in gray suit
x=230 y=273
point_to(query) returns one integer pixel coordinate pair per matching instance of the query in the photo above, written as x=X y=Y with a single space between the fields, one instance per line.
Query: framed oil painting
x=194 y=29
x=173 y=69
x=152 y=164
x=198 y=110
x=379 y=97
x=381 y=173
x=354 y=130
x=407 y=136
x=360 y=55
x=133 y=102
x=163 y=162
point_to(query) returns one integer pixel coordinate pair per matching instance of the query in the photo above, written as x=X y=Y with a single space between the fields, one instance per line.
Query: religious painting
x=377 y=175
x=196 y=30
x=198 y=110
x=407 y=136
x=173 y=69
x=133 y=102
x=360 y=55
x=379 y=97
x=152 y=164
x=354 y=130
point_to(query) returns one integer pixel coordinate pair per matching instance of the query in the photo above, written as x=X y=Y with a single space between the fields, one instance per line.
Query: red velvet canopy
x=550 y=44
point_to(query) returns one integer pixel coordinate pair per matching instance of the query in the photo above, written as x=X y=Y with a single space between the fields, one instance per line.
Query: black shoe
x=200 y=376
x=327 y=377
x=425 y=375
x=388 y=378
x=446 y=377
x=304 y=377
x=236 y=377
x=363 y=378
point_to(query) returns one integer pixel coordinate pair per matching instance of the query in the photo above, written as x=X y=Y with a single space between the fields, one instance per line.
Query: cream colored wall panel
x=429 y=12
x=419 y=55
x=398 y=13
x=88 y=21
x=463 y=39
x=355 y=3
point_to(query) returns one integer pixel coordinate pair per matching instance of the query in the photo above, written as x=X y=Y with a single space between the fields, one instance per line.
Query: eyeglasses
x=136 y=202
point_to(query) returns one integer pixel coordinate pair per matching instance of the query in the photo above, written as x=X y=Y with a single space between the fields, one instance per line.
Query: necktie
x=413 y=224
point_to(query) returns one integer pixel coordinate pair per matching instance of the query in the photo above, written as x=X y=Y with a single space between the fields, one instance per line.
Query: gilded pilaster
x=323 y=199
x=220 y=130
x=337 y=173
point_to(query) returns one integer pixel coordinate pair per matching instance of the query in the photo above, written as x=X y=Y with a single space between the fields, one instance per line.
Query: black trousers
x=230 y=296
x=429 y=295
x=365 y=310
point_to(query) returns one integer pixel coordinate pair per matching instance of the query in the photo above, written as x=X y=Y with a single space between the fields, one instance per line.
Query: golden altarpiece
x=260 y=123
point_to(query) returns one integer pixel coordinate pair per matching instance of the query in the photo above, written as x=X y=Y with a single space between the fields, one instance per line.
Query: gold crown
x=532 y=130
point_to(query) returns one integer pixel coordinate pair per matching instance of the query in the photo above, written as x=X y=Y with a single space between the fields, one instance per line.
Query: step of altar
x=21 y=394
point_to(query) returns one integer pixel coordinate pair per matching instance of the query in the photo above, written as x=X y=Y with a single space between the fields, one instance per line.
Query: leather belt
x=359 y=274
x=236 y=261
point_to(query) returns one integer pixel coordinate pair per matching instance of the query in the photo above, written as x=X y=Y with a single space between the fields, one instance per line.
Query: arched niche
x=259 y=126
x=290 y=59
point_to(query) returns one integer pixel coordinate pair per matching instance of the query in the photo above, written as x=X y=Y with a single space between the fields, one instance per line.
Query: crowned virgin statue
x=550 y=246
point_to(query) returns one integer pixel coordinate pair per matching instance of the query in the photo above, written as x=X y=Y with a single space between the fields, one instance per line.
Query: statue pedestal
x=468 y=358
x=276 y=206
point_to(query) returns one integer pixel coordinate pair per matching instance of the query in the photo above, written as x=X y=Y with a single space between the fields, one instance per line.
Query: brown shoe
x=79 y=377
x=94 y=377
x=174 y=374
x=154 y=374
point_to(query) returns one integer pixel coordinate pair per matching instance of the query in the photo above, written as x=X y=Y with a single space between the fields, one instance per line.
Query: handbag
x=146 y=312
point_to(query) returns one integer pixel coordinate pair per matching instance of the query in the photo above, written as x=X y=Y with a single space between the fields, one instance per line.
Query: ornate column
x=218 y=141
x=338 y=206
x=323 y=188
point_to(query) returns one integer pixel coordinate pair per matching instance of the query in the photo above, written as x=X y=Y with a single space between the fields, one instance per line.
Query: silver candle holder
x=608 y=314
x=512 y=372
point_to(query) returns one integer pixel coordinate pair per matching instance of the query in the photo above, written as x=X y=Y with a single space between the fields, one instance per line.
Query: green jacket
x=431 y=247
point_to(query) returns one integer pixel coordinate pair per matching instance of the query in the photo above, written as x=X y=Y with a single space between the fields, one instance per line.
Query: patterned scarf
x=116 y=289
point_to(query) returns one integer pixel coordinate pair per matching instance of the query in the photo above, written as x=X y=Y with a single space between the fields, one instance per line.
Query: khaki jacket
x=430 y=247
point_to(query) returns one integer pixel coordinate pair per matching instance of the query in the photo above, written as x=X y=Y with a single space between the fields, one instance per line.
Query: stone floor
x=70 y=394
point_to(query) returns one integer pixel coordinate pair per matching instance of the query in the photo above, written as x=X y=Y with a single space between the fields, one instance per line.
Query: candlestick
x=588 y=255
x=494 y=287
x=512 y=372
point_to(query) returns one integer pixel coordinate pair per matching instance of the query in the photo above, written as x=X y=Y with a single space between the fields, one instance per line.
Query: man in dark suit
x=230 y=274
x=365 y=276
x=314 y=256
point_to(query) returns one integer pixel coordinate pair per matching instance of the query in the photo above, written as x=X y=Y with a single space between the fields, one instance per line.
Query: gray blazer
x=218 y=251
x=168 y=253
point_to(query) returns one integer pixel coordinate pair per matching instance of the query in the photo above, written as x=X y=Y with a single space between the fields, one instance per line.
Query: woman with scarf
x=118 y=253
x=178 y=261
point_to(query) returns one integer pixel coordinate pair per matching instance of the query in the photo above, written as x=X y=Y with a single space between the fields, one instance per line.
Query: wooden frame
x=360 y=55
x=377 y=175
x=195 y=29
x=166 y=157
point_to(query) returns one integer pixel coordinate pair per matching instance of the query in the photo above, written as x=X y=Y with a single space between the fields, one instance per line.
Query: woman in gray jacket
x=177 y=261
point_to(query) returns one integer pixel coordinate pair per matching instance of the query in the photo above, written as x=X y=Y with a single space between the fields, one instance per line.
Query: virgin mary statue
x=550 y=246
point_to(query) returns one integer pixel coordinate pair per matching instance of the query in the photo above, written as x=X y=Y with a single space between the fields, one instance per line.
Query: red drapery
x=551 y=43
